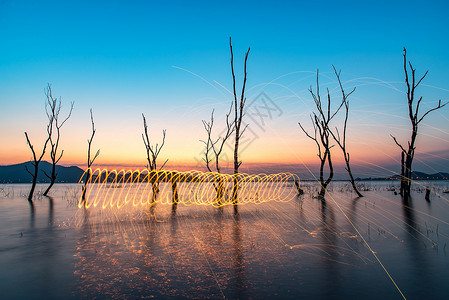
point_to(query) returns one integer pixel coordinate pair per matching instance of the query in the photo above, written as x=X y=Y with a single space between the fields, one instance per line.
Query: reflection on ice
x=301 y=247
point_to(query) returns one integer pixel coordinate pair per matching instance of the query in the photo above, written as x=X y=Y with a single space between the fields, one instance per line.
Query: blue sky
x=123 y=59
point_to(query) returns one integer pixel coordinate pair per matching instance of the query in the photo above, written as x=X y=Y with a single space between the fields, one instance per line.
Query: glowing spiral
x=118 y=188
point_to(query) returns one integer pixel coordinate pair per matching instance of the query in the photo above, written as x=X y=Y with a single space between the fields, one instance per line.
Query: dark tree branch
x=152 y=151
x=89 y=160
x=238 y=116
x=45 y=173
x=320 y=122
x=36 y=162
x=407 y=155
x=163 y=165
x=217 y=147
x=397 y=143
x=53 y=108
x=152 y=154
x=26 y=168
x=341 y=140
x=433 y=109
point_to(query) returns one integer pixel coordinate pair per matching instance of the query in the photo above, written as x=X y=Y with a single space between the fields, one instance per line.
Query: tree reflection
x=239 y=260
x=32 y=215
x=415 y=243
x=330 y=259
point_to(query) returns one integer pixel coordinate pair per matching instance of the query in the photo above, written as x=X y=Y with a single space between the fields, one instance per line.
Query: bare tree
x=216 y=146
x=174 y=177
x=341 y=140
x=37 y=159
x=35 y=163
x=321 y=135
x=53 y=109
x=239 y=105
x=152 y=154
x=408 y=153
x=89 y=160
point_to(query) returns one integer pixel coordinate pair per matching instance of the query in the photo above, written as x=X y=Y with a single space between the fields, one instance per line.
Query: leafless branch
x=26 y=168
x=341 y=139
x=89 y=160
x=89 y=142
x=433 y=109
x=216 y=145
x=320 y=121
x=152 y=151
x=53 y=109
x=45 y=173
x=397 y=143
x=36 y=162
x=407 y=155
x=238 y=116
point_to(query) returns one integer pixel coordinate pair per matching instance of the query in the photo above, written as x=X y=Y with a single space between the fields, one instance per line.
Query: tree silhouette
x=35 y=163
x=53 y=109
x=37 y=158
x=216 y=146
x=322 y=134
x=408 y=153
x=239 y=105
x=152 y=154
x=341 y=140
x=89 y=160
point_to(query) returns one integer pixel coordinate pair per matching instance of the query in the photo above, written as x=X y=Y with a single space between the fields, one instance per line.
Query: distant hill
x=415 y=176
x=424 y=176
x=18 y=174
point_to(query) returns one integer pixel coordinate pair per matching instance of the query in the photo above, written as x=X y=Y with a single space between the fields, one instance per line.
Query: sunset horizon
x=224 y=150
x=177 y=84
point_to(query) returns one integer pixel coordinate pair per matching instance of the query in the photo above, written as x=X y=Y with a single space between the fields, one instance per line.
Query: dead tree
x=35 y=163
x=341 y=140
x=152 y=154
x=53 y=109
x=239 y=105
x=89 y=160
x=174 y=177
x=321 y=135
x=36 y=159
x=408 y=153
x=216 y=146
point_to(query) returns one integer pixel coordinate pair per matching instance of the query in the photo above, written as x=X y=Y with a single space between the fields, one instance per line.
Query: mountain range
x=424 y=176
x=18 y=174
x=415 y=176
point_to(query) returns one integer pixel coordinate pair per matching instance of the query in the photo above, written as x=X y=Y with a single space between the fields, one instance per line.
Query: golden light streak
x=126 y=187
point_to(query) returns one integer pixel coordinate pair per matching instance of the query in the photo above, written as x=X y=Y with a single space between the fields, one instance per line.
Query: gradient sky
x=170 y=60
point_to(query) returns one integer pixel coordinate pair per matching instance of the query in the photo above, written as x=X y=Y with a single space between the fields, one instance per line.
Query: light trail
x=146 y=188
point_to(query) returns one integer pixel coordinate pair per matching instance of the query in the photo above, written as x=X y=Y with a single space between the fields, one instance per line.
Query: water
x=295 y=249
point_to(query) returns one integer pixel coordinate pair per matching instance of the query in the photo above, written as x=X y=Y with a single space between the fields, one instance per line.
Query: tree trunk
x=88 y=174
x=33 y=184
x=155 y=189
x=236 y=166
x=427 y=197
x=408 y=175
x=174 y=188
x=415 y=119
x=323 y=187
x=324 y=184
x=348 y=168
x=401 y=190
x=52 y=179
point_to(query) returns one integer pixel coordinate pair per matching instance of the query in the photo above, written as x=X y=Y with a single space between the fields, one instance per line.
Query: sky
x=171 y=61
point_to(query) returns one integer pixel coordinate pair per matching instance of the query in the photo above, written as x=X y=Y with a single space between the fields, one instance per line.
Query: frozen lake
x=361 y=248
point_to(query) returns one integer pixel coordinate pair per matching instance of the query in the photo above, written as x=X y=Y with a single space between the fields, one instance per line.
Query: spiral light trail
x=141 y=187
